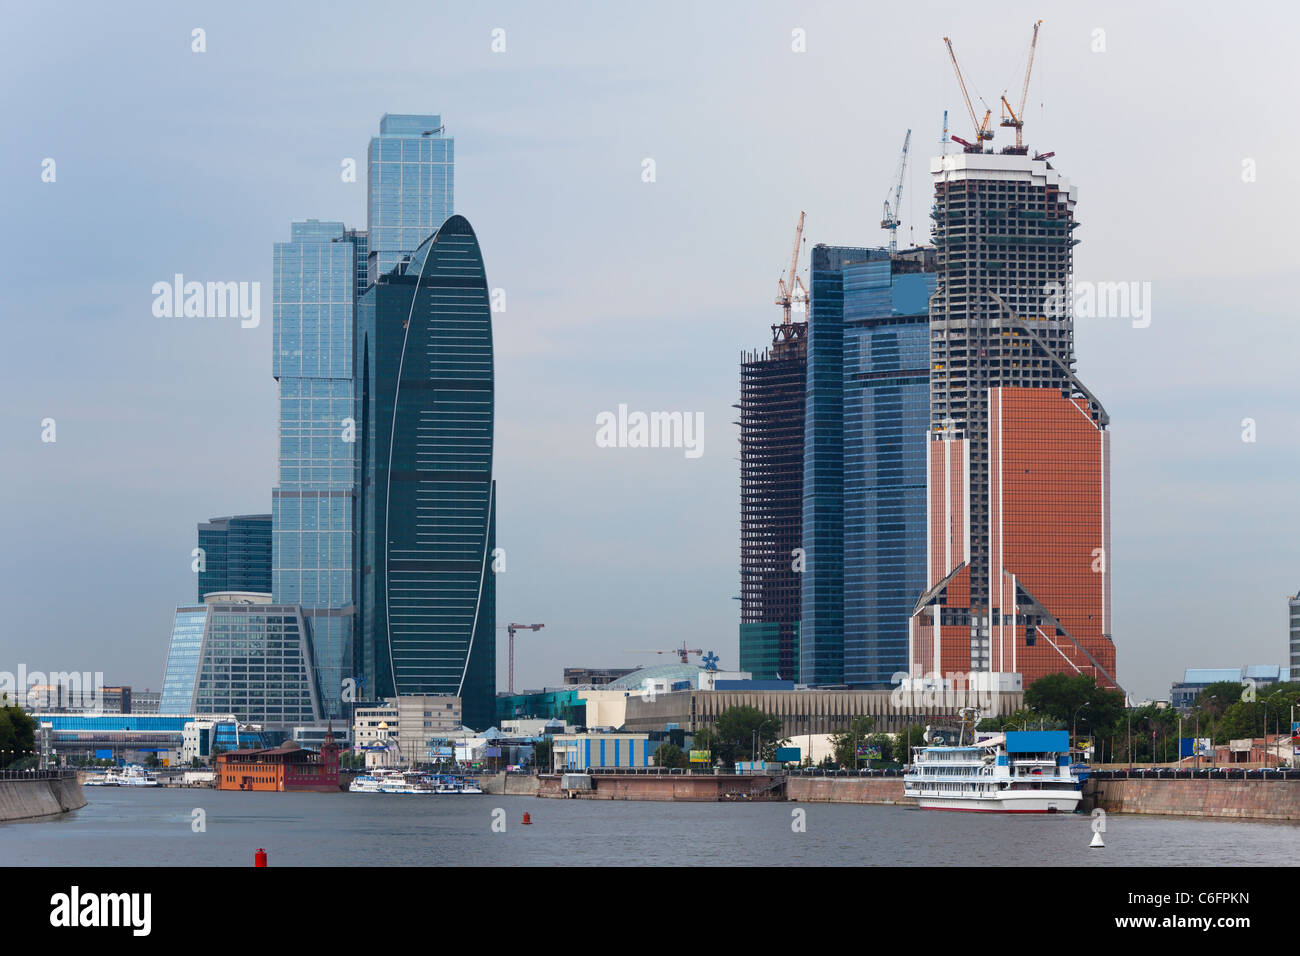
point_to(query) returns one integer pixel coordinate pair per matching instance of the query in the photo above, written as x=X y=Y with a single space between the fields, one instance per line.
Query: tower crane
x=1016 y=118
x=681 y=652
x=891 y=220
x=785 y=286
x=982 y=129
x=511 y=628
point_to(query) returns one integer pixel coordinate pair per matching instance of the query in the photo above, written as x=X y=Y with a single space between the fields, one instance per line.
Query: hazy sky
x=621 y=291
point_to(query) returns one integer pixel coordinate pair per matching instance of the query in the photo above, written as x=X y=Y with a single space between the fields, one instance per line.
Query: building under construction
x=772 y=391
x=772 y=385
x=1018 y=463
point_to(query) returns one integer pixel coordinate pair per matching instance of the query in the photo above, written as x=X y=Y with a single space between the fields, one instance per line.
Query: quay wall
x=878 y=790
x=39 y=798
x=1224 y=799
x=690 y=788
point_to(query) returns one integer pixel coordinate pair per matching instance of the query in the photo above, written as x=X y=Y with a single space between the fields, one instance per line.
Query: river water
x=123 y=827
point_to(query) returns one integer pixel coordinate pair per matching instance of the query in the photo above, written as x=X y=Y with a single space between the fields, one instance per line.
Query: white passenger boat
x=1012 y=772
x=388 y=781
x=132 y=776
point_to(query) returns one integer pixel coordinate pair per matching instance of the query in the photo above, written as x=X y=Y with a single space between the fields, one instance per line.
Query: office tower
x=312 y=507
x=864 y=479
x=1018 y=573
x=1293 y=607
x=239 y=654
x=236 y=554
x=427 y=525
x=771 y=407
x=409 y=168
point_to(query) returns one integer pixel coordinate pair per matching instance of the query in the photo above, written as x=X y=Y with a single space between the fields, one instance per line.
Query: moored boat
x=1011 y=772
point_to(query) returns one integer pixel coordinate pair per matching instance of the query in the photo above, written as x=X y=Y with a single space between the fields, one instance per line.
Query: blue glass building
x=867 y=414
x=410 y=183
x=315 y=287
x=245 y=658
x=236 y=554
x=427 y=521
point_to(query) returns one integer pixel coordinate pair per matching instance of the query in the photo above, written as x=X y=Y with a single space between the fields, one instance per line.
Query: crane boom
x=1016 y=118
x=786 y=286
x=891 y=220
x=982 y=130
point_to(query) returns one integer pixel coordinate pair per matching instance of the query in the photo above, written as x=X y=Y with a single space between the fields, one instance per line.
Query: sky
x=1172 y=119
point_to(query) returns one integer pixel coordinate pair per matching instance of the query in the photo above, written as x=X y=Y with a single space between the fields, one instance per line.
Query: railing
x=1204 y=773
x=37 y=774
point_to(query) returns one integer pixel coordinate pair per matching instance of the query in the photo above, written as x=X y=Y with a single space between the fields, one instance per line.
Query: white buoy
x=1097 y=842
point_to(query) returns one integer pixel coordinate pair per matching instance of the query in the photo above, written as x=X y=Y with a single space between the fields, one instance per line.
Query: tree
x=17 y=734
x=905 y=740
x=672 y=756
x=542 y=755
x=1218 y=697
x=844 y=745
x=740 y=731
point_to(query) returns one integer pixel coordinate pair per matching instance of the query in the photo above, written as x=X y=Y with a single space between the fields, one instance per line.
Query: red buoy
x=259 y=858
x=527 y=818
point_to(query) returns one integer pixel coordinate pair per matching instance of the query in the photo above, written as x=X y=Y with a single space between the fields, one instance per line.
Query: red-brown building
x=1047 y=539
x=286 y=767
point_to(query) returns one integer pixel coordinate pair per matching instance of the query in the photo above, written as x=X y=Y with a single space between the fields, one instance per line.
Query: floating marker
x=259 y=858
x=1097 y=842
x=527 y=818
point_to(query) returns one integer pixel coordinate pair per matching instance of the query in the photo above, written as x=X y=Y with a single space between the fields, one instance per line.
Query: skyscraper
x=314 y=301
x=427 y=525
x=771 y=502
x=236 y=554
x=864 y=479
x=1018 y=575
x=410 y=186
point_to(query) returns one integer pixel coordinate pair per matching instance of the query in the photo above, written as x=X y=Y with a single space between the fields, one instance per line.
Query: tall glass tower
x=236 y=553
x=410 y=185
x=427 y=521
x=314 y=301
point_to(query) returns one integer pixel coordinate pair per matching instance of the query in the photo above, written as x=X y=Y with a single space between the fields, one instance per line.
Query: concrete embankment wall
x=882 y=790
x=1227 y=799
x=691 y=788
x=33 y=799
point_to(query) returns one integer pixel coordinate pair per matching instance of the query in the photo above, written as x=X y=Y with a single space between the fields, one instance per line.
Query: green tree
x=844 y=745
x=542 y=755
x=672 y=756
x=17 y=734
x=740 y=731
x=911 y=736
x=1218 y=697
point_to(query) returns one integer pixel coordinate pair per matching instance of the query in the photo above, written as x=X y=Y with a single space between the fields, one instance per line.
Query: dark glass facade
x=864 y=469
x=236 y=554
x=427 y=520
x=772 y=397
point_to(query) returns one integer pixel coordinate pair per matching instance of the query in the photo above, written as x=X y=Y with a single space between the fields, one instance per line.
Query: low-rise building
x=570 y=752
x=405 y=730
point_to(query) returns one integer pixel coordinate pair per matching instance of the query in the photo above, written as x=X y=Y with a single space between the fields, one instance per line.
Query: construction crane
x=681 y=652
x=785 y=291
x=982 y=129
x=511 y=628
x=891 y=220
x=1016 y=118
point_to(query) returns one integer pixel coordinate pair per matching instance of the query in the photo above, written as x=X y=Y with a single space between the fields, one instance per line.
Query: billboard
x=1295 y=737
x=788 y=755
x=699 y=756
x=868 y=751
x=1195 y=747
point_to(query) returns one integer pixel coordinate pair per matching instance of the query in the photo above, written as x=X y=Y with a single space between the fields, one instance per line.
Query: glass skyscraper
x=886 y=410
x=409 y=168
x=244 y=658
x=427 y=521
x=315 y=285
x=236 y=554
x=867 y=410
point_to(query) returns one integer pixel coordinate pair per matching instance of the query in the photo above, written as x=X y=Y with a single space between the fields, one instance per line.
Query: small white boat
x=132 y=776
x=1012 y=772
